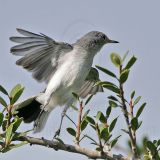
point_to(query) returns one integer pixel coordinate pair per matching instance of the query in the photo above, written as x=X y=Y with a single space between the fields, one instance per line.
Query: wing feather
x=29 y=44
x=27 y=33
x=89 y=86
x=39 y=52
x=25 y=39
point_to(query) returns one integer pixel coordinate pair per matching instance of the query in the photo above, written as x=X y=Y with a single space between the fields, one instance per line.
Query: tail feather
x=28 y=109
x=41 y=121
x=31 y=110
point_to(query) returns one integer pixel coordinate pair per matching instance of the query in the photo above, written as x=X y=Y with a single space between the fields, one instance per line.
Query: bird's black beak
x=113 y=41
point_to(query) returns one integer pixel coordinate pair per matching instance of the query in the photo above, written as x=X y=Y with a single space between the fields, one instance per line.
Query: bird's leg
x=62 y=116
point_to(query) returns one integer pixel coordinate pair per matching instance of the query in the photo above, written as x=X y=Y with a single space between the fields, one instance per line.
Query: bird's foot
x=57 y=134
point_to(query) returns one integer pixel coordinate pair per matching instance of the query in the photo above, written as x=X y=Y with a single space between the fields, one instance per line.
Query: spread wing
x=89 y=85
x=39 y=53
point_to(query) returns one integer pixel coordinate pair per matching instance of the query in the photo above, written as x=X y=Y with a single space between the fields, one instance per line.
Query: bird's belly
x=70 y=79
x=73 y=78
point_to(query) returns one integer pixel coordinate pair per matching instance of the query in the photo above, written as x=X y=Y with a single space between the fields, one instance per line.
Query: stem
x=131 y=108
x=132 y=115
x=71 y=120
x=98 y=133
x=9 y=110
x=91 y=139
x=124 y=107
x=79 y=124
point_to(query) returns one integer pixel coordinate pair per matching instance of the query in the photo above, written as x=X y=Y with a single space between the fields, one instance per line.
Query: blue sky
x=135 y=24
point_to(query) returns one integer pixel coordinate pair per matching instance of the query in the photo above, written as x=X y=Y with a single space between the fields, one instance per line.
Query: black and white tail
x=31 y=111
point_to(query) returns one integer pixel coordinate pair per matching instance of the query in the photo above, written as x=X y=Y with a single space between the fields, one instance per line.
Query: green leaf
x=17 y=123
x=102 y=126
x=100 y=116
x=104 y=134
x=88 y=99
x=71 y=131
x=134 y=123
x=75 y=95
x=102 y=83
x=113 y=104
x=112 y=98
x=131 y=62
x=116 y=59
x=1 y=118
x=4 y=124
x=132 y=94
x=139 y=124
x=140 y=110
x=125 y=55
x=114 y=141
x=137 y=100
x=84 y=125
x=3 y=102
x=108 y=111
x=124 y=76
x=3 y=90
x=151 y=147
x=85 y=114
x=17 y=95
x=9 y=133
x=112 y=88
x=125 y=131
x=90 y=120
x=112 y=125
x=15 y=90
x=106 y=71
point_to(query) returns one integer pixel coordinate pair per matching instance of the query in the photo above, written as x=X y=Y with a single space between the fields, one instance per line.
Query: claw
x=57 y=133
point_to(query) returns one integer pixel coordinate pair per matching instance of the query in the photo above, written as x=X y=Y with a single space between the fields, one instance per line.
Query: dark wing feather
x=89 y=85
x=39 y=53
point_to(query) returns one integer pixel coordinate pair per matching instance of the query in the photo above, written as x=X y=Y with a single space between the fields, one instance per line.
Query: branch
x=79 y=124
x=124 y=107
x=57 y=145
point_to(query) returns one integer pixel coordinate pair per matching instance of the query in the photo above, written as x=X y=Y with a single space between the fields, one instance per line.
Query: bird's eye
x=104 y=37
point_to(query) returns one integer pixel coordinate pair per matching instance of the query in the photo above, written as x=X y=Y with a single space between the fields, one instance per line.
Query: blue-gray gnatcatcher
x=65 y=68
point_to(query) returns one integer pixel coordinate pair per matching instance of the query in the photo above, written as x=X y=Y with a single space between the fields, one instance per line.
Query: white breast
x=69 y=77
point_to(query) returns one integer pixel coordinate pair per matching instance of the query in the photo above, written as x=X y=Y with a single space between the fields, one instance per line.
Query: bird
x=64 y=68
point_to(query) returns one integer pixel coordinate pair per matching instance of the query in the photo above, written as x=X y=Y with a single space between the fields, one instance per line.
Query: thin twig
x=91 y=139
x=98 y=134
x=9 y=114
x=79 y=124
x=124 y=107
x=132 y=115
x=131 y=108
x=71 y=120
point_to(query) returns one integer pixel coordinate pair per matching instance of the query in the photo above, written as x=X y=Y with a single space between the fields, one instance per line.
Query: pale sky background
x=135 y=24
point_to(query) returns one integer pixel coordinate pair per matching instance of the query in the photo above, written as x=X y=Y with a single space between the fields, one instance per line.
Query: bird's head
x=94 y=41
